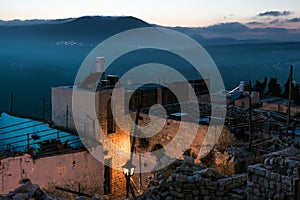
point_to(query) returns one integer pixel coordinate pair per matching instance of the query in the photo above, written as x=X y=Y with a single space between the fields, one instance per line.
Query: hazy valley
x=37 y=55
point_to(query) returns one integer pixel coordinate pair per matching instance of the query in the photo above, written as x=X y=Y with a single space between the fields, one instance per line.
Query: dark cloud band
x=275 y=13
x=294 y=20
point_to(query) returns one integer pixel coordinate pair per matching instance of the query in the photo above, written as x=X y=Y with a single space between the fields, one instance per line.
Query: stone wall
x=184 y=180
x=118 y=141
x=169 y=131
x=66 y=170
x=275 y=178
x=165 y=129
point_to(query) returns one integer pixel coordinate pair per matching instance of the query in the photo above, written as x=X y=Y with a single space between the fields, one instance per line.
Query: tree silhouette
x=261 y=86
x=285 y=93
x=274 y=88
x=296 y=94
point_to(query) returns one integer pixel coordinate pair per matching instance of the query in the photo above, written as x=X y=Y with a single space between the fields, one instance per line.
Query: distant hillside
x=91 y=29
x=18 y=22
x=240 y=33
x=96 y=28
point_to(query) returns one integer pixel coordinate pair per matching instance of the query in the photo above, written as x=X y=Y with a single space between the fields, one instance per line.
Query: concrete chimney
x=100 y=64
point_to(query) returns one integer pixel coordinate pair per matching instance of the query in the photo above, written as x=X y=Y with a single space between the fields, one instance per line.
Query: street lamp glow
x=128 y=168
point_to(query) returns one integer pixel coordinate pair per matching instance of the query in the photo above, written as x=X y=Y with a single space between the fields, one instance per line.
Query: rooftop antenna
x=11 y=102
x=250 y=114
x=44 y=108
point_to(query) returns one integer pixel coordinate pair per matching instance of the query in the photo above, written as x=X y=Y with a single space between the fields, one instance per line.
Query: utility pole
x=140 y=161
x=289 y=102
x=250 y=114
x=134 y=132
x=44 y=108
x=28 y=142
x=67 y=116
x=137 y=117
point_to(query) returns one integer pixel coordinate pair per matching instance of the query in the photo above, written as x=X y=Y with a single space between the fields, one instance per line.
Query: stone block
x=293 y=164
x=20 y=196
x=204 y=192
x=188 y=186
x=177 y=194
x=275 y=176
x=188 y=196
x=272 y=185
x=286 y=180
x=278 y=186
x=190 y=179
x=24 y=188
x=195 y=192
x=181 y=178
x=254 y=179
x=279 y=196
x=164 y=194
x=260 y=171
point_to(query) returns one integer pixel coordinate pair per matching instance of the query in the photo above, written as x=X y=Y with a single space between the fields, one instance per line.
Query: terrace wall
x=66 y=170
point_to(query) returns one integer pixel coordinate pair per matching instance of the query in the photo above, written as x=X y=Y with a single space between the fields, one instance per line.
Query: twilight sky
x=275 y=13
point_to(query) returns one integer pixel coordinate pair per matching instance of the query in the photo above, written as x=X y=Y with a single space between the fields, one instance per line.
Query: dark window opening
x=111 y=125
x=107 y=176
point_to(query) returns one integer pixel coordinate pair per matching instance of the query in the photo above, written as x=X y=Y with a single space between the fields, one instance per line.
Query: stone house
x=89 y=109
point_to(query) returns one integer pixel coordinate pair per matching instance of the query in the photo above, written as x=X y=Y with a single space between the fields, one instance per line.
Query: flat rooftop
x=278 y=101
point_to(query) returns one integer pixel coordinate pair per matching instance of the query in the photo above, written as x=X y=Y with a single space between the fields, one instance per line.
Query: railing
x=18 y=139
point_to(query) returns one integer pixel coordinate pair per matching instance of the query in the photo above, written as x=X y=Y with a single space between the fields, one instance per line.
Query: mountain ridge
x=222 y=32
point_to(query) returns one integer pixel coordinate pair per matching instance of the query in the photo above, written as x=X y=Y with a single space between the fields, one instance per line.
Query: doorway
x=107 y=176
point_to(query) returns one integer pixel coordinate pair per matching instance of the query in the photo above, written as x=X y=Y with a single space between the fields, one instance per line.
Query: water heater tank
x=241 y=86
x=100 y=64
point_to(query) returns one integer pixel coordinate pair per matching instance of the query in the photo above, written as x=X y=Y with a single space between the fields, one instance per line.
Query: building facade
x=90 y=110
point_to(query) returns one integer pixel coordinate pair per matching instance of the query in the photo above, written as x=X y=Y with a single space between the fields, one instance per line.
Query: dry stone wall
x=275 y=178
x=183 y=180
